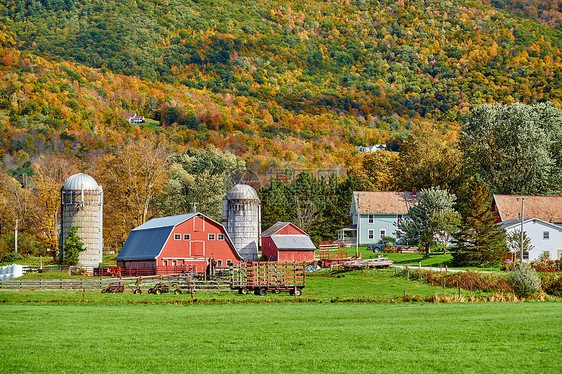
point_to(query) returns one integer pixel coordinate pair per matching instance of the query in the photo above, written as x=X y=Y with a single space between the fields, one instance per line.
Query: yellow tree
x=130 y=176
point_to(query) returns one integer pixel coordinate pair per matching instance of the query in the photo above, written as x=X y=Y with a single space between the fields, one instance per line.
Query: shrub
x=11 y=257
x=544 y=264
x=525 y=280
x=553 y=285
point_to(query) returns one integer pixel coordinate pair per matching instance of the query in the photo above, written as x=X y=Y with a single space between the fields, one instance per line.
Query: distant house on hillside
x=545 y=237
x=285 y=242
x=375 y=215
x=132 y=118
x=177 y=243
x=372 y=148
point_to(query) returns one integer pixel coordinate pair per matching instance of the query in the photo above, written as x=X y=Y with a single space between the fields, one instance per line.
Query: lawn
x=286 y=338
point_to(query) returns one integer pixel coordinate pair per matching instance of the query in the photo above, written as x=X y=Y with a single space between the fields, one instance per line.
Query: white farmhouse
x=545 y=237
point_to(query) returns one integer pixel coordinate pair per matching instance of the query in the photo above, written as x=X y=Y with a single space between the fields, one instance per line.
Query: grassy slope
x=484 y=337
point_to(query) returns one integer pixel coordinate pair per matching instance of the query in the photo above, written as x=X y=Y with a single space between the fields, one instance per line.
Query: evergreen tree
x=73 y=245
x=480 y=242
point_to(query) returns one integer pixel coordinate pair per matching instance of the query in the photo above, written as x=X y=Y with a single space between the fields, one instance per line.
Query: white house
x=544 y=237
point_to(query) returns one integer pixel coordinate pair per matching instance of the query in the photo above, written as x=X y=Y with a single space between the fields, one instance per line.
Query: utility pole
x=522 y=219
x=16 y=237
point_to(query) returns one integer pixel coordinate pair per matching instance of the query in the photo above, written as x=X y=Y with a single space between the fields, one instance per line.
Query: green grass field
x=281 y=338
x=379 y=285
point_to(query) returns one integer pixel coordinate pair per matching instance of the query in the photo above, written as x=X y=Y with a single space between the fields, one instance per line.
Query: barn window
x=219 y=263
x=220 y=237
x=211 y=236
x=186 y=236
x=546 y=235
x=371 y=234
x=174 y=262
x=229 y=262
x=177 y=236
x=165 y=262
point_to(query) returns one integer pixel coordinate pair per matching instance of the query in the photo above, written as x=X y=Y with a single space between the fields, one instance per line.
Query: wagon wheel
x=104 y=290
x=298 y=292
x=157 y=291
x=277 y=291
x=262 y=292
x=137 y=291
x=150 y=290
x=243 y=291
x=177 y=291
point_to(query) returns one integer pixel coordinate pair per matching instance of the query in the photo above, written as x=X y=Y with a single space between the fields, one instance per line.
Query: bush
x=525 y=280
x=545 y=264
x=11 y=257
x=553 y=285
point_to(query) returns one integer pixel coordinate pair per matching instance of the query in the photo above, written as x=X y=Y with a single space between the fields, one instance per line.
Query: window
x=165 y=262
x=220 y=237
x=383 y=233
x=371 y=218
x=525 y=255
x=546 y=235
x=174 y=262
x=399 y=218
x=186 y=236
x=229 y=262
x=371 y=234
x=211 y=236
x=219 y=263
x=177 y=236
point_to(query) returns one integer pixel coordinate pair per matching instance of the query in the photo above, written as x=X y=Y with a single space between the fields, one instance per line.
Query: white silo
x=241 y=217
x=82 y=206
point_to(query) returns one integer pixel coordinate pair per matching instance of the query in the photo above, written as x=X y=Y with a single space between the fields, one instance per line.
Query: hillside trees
x=516 y=148
x=374 y=171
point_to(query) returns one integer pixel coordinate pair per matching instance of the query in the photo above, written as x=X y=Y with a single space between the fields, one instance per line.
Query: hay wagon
x=264 y=277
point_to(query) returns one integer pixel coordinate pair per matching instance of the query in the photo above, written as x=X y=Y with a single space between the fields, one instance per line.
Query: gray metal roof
x=273 y=229
x=170 y=221
x=508 y=223
x=144 y=244
x=80 y=181
x=242 y=192
x=293 y=242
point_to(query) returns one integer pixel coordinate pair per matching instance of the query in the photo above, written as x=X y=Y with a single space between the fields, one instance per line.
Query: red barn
x=171 y=244
x=285 y=242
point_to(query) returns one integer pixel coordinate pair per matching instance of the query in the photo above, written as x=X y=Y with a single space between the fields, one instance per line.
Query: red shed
x=285 y=242
x=172 y=244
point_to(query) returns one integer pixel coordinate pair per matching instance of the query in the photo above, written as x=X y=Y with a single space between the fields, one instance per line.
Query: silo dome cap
x=80 y=181
x=242 y=192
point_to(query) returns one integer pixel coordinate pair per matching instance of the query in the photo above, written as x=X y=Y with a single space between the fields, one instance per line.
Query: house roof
x=546 y=208
x=510 y=223
x=293 y=242
x=147 y=240
x=383 y=202
x=274 y=228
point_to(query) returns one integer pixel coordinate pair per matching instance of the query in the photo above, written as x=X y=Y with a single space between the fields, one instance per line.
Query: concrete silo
x=241 y=216
x=82 y=206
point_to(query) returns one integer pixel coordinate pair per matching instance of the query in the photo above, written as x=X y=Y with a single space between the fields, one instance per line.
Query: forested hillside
x=250 y=76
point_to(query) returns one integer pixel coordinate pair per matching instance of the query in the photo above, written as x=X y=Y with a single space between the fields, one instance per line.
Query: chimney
x=414 y=191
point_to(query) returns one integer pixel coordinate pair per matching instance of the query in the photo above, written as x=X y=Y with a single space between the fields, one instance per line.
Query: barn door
x=197 y=249
x=198 y=224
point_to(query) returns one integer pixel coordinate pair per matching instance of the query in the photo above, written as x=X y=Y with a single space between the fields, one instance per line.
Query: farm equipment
x=114 y=287
x=264 y=277
x=162 y=287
